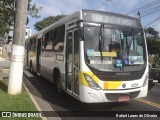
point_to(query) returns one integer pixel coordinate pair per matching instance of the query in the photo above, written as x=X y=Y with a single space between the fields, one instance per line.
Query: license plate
x=123 y=99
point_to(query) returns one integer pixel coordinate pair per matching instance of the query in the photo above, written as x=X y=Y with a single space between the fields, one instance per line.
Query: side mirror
x=78 y=22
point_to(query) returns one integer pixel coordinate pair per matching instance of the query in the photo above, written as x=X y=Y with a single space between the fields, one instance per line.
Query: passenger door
x=72 y=63
x=38 y=55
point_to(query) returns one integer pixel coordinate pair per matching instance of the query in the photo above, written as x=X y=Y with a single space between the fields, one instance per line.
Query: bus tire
x=59 y=85
x=57 y=81
x=31 y=67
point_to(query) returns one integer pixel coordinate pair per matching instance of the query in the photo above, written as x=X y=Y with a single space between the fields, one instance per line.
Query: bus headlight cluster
x=146 y=80
x=91 y=82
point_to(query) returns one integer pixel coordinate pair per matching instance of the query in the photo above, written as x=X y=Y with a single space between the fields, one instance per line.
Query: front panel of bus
x=113 y=63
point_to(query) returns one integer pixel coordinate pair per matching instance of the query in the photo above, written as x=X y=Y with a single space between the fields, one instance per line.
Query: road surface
x=49 y=100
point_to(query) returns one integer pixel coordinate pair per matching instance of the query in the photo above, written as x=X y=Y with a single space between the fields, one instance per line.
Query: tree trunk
x=17 y=60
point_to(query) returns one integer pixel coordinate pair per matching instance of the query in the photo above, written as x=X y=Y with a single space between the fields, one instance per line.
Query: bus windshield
x=108 y=49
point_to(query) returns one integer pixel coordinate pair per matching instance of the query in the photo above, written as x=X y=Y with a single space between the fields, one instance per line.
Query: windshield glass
x=109 y=49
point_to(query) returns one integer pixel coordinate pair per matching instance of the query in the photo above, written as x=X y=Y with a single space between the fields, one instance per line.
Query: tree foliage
x=47 y=21
x=153 y=46
x=7 y=14
x=152 y=33
x=153 y=43
x=34 y=10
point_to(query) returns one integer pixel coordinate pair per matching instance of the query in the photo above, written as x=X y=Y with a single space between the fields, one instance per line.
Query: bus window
x=76 y=63
x=32 y=45
x=47 y=42
x=70 y=46
x=29 y=45
x=76 y=50
x=58 y=42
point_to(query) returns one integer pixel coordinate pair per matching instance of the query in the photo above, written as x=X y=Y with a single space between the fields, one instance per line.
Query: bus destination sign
x=111 y=19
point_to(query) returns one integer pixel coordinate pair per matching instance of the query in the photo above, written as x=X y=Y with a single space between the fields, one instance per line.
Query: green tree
x=153 y=46
x=153 y=43
x=34 y=10
x=7 y=14
x=47 y=21
x=152 y=33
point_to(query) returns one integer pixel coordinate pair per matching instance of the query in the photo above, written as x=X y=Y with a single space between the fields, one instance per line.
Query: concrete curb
x=33 y=100
x=43 y=102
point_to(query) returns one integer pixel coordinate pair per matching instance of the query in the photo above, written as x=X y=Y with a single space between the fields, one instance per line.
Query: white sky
x=66 y=7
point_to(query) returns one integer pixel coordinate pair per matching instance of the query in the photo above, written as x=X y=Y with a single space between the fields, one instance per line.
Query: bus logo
x=124 y=85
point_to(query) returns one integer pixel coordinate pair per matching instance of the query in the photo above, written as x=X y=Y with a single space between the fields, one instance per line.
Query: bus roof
x=103 y=17
x=96 y=17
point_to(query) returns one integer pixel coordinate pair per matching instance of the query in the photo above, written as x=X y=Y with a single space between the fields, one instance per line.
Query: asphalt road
x=49 y=100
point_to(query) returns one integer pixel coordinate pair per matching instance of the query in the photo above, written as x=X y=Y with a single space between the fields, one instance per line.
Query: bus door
x=38 y=57
x=26 y=52
x=72 y=63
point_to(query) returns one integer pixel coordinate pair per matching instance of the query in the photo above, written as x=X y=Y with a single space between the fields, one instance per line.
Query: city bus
x=94 y=56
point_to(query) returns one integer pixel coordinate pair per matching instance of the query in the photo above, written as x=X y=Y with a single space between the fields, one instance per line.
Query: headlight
x=146 y=80
x=91 y=82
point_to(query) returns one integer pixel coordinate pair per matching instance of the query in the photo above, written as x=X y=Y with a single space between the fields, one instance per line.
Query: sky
x=66 y=7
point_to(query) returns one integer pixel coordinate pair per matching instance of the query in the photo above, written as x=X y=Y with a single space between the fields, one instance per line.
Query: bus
x=94 y=56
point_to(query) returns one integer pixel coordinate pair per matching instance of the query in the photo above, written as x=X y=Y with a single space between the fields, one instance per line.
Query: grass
x=17 y=103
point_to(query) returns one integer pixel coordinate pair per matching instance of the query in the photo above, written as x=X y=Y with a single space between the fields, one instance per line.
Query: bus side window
x=58 y=43
x=76 y=49
x=32 y=45
x=47 y=42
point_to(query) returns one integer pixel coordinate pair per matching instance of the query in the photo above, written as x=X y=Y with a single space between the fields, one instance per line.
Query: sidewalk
x=39 y=103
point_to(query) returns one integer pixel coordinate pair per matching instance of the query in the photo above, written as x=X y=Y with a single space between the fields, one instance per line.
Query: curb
x=33 y=100
x=36 y=103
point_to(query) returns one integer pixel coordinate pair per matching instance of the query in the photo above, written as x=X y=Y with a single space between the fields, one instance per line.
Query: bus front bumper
x=89 y=95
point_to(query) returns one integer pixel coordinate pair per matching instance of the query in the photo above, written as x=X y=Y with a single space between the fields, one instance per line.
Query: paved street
x=44 y=92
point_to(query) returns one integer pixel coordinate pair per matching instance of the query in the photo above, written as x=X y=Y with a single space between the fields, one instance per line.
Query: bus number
x=133 y=85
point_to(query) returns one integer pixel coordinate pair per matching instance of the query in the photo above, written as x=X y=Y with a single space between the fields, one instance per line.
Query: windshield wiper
x=101 y=40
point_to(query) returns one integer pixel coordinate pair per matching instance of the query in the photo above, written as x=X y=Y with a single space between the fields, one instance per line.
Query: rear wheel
x=31 y=67
x=57 y=81
x=59 y=85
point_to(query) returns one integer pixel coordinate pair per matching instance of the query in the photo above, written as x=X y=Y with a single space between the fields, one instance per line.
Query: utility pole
x=17 y=60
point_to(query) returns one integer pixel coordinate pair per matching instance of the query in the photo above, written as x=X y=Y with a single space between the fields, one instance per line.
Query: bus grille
x=115 y=96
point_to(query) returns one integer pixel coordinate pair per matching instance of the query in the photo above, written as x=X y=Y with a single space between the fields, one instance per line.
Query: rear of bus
x=113 y=58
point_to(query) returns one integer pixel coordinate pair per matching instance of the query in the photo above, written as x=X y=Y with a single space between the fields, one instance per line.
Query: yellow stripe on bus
x=82 y=80
x=112 y=84
x=108 y=54
x=95 y=78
